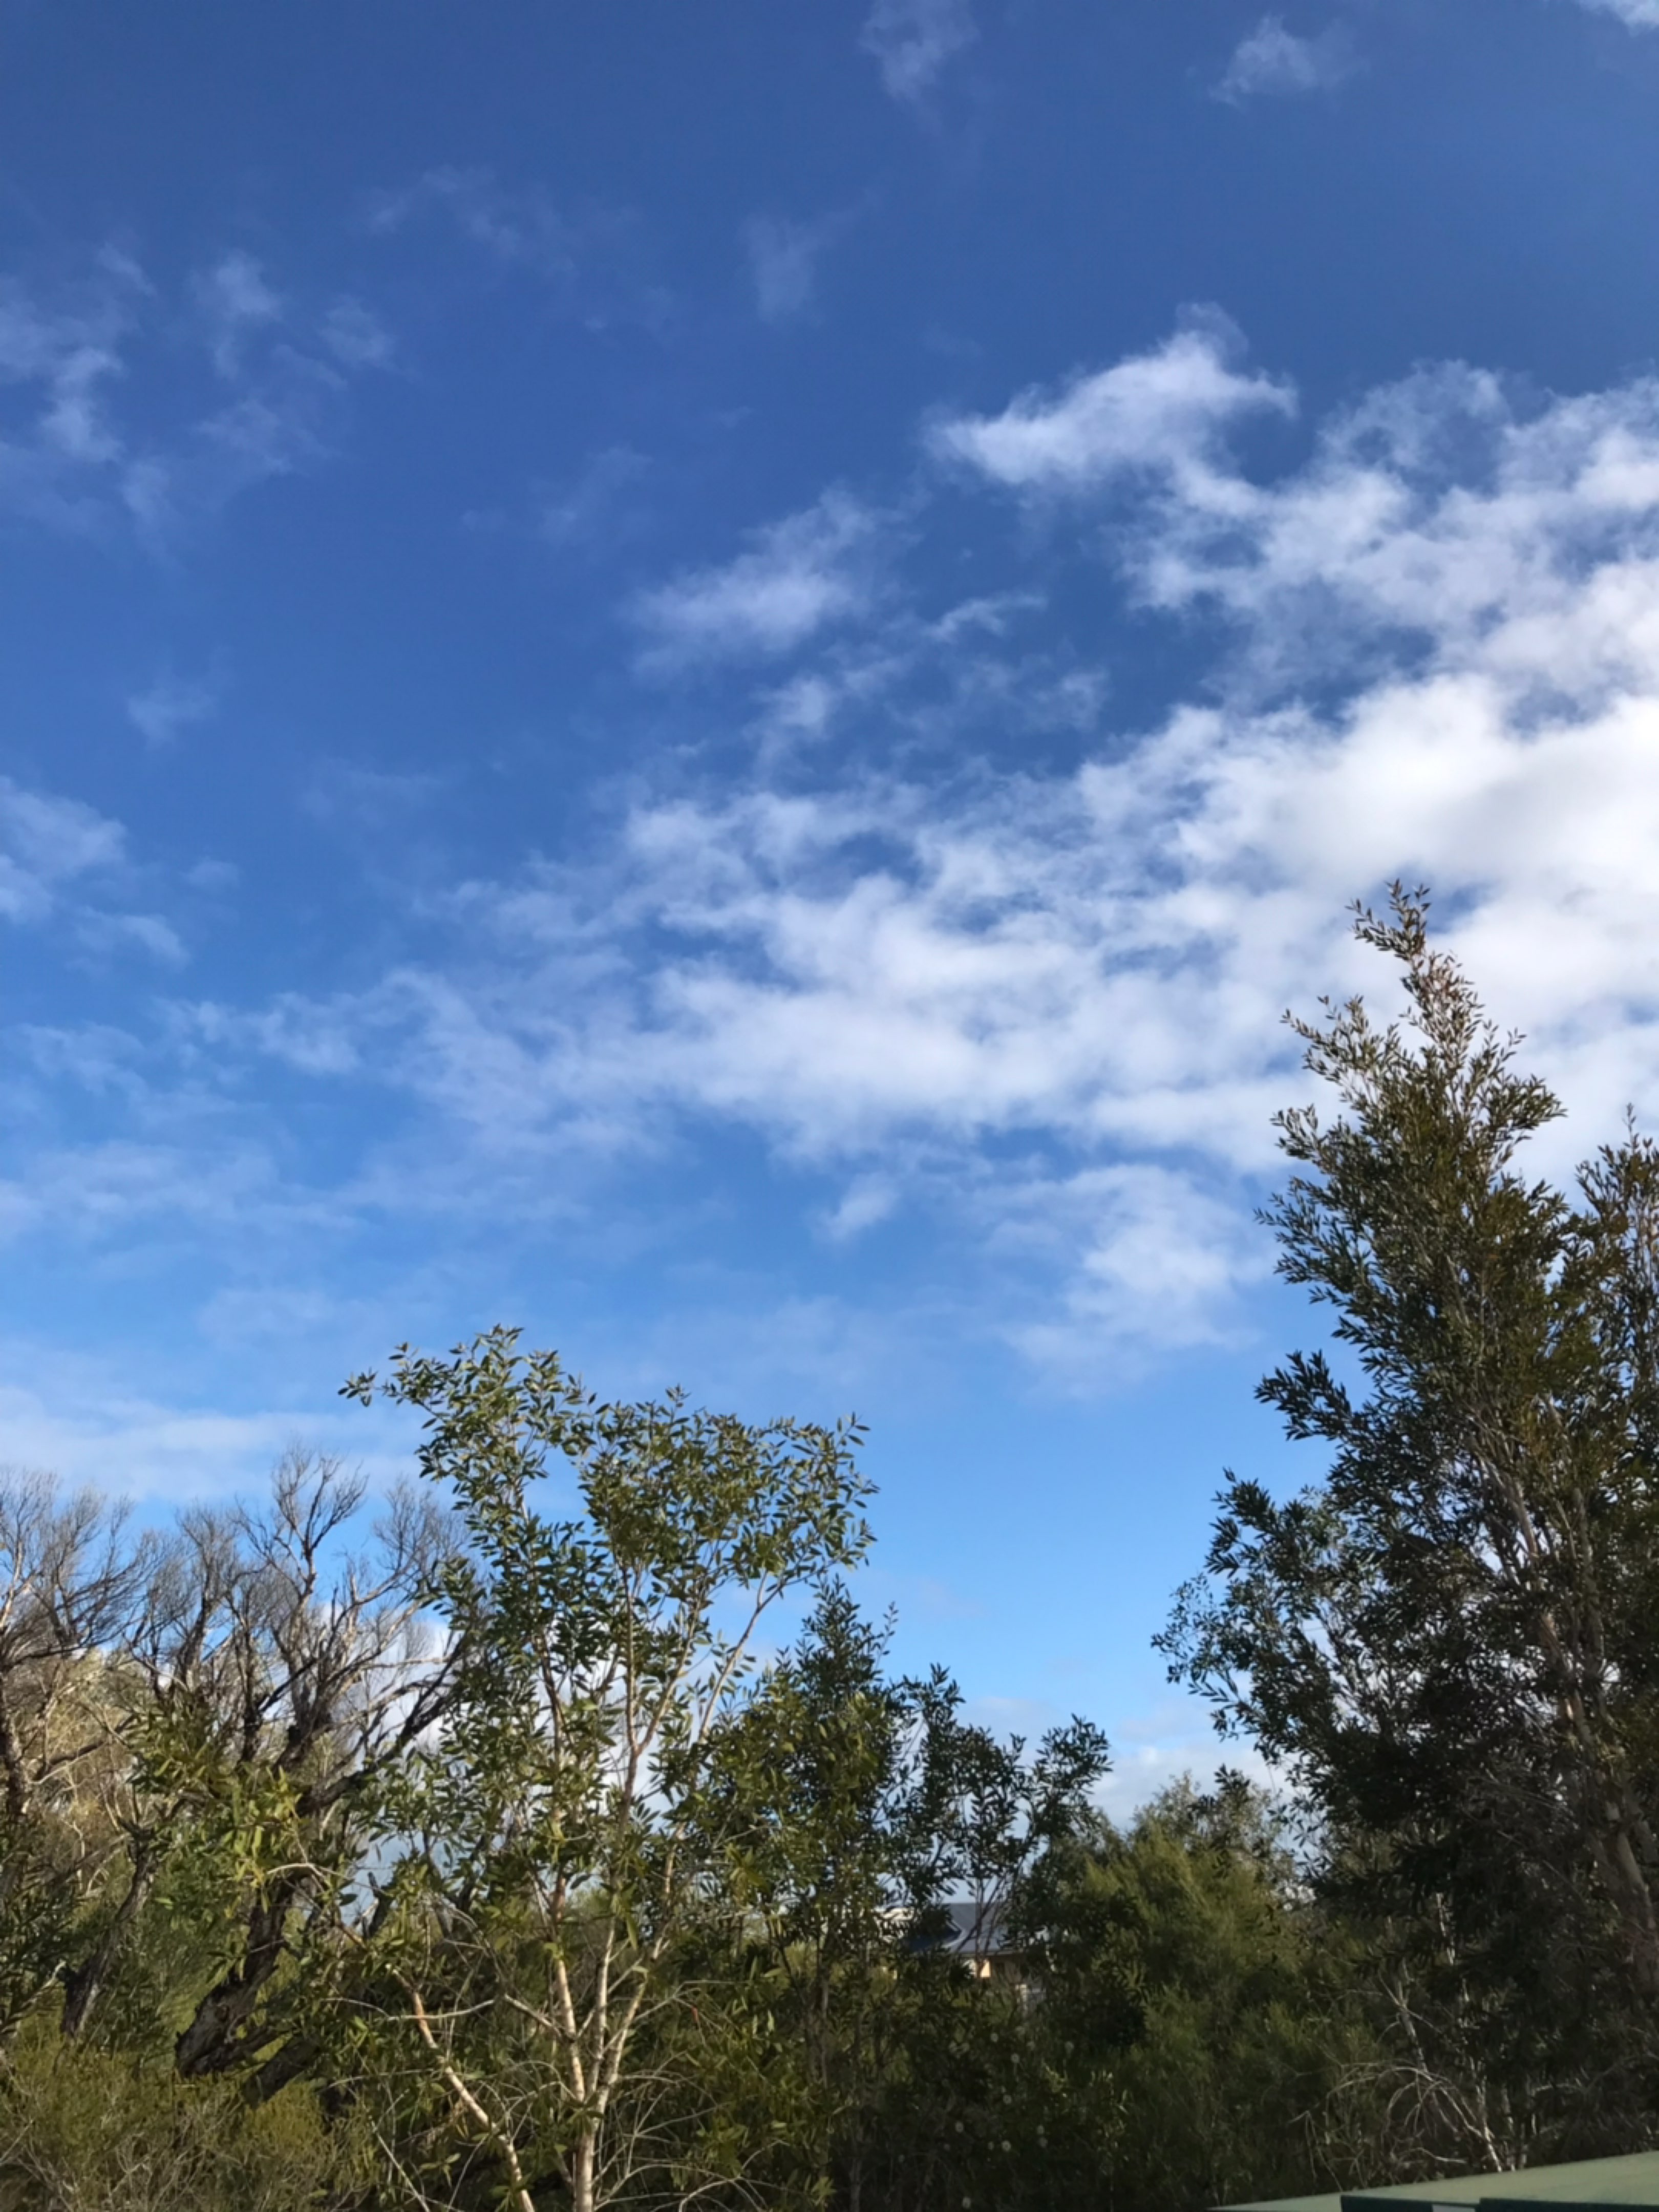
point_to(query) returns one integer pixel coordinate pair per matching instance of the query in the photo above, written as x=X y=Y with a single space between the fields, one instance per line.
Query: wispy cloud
x=591 y=256
x=152 y=933
x=1273 y=60
x=355 y=335
x=1640 y=14
x=66 y=867
x=783 y=263
x=796 y=577
x=234 y=301
x=172 y=704
x=47 y=845
x=524 y=227
x=941 y=682
x=1056 y=995
x=913 y=40
x=90 y=1422
x=1151 y=1258
x=60 y=358
x=91 y=1190
x=260 y=403
x=867 y=1200
x=1177 y=1743
x=594 y=502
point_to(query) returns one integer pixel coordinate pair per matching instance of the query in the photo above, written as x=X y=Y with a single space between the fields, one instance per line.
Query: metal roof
x=1588 y=2187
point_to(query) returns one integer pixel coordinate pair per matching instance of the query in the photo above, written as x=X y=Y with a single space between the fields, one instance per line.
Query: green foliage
x=854 y=1804
x=1448 y=1640
x=849 y=1803
x=1243 y=2077
x=553 y=1853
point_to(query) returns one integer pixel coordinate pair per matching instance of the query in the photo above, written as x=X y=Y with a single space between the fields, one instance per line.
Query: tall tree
x=1449 y=1640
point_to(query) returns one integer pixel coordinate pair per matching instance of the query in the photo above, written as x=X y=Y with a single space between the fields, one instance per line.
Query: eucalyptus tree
x=550 y=1859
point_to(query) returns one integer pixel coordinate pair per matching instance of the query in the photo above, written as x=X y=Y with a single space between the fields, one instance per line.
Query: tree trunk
x=582 y=2171
x=213 y=2041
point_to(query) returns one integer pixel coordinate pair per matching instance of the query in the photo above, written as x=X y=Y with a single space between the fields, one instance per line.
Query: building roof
x=978 y=1929
x=1588 y=2187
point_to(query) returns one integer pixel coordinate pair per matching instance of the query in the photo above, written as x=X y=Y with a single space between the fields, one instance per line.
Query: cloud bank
x=1057 y=994
x=1040 y=1002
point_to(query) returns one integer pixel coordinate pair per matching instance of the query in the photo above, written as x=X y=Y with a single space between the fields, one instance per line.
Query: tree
x=854 y=1806
x=268 y=1671
x=552 y=1855
x=809 y=1806
x=1201 y=1992
x=70 y=1583
x=1448 y=1641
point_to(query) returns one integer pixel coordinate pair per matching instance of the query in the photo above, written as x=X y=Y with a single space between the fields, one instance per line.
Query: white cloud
x=1042 y=1006
x=867 y=1200
x=945 y=682
x=65 y=865
x=86 y=1423
x=64 y=356
x=1057 y=994
x=913 y=40
x=93 y=1056
x=91 y=1190
x=1177 y=1743
x=799 y=576
x=148 y=933
x=1157 y=1266
x=1159 y=415
x=1270 y=59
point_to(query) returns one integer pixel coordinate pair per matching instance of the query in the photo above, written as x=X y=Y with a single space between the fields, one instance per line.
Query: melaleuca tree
x=1448 y=1641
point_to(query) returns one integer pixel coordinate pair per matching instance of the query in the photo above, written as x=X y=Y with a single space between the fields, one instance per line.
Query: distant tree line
x=490 y=1853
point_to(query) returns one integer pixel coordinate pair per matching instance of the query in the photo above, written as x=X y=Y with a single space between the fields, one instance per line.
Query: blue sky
x=700 y=677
